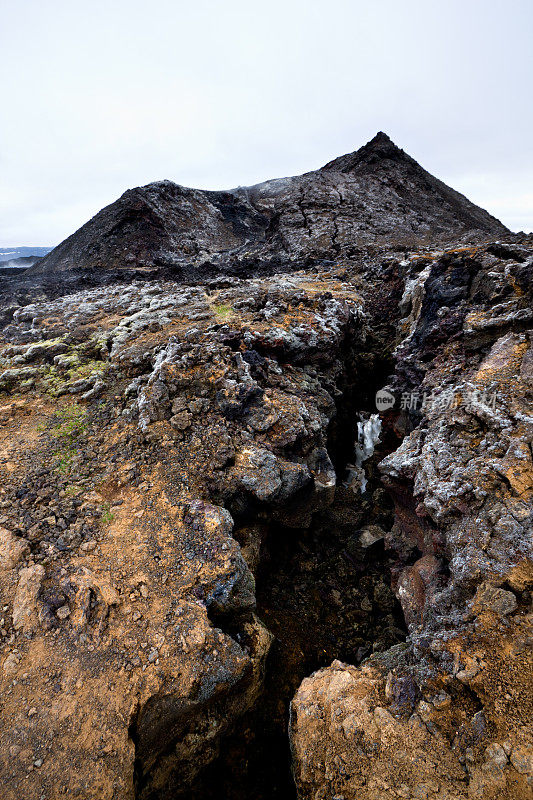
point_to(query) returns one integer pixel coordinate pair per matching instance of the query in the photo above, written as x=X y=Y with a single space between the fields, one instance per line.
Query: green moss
x=57 y=381
x=69 y=429
x=107 y=516
x=49 y=343
x=223 y=311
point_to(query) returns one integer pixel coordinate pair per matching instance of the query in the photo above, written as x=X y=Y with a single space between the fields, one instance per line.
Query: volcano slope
x=188 y=558
x=376 y=195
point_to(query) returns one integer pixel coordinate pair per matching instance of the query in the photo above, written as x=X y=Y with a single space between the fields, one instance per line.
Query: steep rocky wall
x=131 y=417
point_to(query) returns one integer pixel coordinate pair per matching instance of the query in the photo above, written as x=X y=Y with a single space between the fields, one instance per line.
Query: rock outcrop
x=377 y=195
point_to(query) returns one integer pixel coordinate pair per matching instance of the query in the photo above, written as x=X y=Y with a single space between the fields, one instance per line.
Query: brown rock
x=26 y=605
x=12 y=549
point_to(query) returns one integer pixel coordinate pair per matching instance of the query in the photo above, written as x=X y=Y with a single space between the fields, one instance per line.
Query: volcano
x=376 y=195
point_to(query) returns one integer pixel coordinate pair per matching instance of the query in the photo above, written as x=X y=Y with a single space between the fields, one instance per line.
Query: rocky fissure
x=324 y=593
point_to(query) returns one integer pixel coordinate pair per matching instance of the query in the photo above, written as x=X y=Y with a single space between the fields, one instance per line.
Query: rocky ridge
x=448 y=716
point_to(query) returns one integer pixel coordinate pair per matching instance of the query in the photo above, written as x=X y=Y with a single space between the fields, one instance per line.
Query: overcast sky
x=101 y=96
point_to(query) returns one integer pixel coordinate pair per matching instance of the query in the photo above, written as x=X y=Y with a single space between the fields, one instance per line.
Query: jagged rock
x=25 y=602
x=494 y=601
x=417 y=586
x=370 y=536
x=462 y=484
x=268 y=478
x=12 y=549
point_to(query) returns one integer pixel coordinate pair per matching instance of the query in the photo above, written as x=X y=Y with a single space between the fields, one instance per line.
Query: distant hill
x=21 y=256
x=376 y=195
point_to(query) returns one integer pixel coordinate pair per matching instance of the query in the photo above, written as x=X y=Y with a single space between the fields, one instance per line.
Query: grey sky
x=102 y=96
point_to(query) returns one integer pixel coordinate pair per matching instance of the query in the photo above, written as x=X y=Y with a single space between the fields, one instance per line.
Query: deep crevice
x=325 y=595
x=323 y=592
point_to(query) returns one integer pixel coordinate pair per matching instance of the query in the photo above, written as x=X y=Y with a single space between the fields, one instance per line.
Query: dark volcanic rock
x=378 y=194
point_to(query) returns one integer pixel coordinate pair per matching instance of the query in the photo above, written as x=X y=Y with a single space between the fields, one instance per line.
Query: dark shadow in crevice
x=324 y=593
